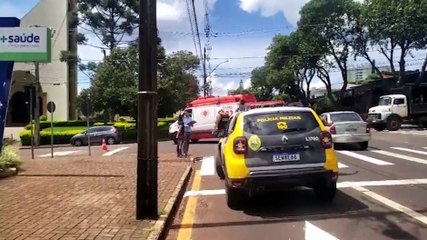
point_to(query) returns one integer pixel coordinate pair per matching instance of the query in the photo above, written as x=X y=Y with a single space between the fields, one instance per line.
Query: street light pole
x=205 y=84
x=210 y=77
x=146 y=185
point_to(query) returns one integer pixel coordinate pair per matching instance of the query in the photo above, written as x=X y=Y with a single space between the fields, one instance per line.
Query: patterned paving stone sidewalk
x=80 y=198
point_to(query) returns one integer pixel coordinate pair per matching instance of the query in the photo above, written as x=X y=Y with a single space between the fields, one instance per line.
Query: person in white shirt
x=187 y=123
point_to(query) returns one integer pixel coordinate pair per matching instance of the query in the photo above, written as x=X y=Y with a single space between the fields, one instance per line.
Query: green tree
x=306 y=60
x=178 y=83
x=109 y=20
x=361 y=38
x=281 y=74
x=114 y=87
x=331 y=23
x=89 y=69
x=260 y=86
x=396 y=24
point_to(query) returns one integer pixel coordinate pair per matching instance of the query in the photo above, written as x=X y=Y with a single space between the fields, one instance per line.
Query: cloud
x=268 y=8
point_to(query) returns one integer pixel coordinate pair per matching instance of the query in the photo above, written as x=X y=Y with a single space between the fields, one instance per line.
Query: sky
x=242 y=29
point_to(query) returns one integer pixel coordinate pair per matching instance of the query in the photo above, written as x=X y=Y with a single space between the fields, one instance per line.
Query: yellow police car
x=275 y=148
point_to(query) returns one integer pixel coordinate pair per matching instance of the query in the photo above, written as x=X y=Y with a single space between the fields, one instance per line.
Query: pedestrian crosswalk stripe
x=208 y=166
x=394 y=205
x=404 y=157
x=420 y=133
x=366 y=158
x=410 y=150
x=342 y=165
x=112 y=152
x=58 y=154
x=315 y=233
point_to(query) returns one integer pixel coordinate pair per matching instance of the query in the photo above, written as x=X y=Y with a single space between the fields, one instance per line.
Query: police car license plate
x=286 y=157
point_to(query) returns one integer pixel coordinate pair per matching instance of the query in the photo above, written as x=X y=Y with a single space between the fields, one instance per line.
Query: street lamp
x=210 y=74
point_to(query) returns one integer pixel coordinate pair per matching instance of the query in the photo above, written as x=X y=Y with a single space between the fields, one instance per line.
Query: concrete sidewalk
x=82 y=198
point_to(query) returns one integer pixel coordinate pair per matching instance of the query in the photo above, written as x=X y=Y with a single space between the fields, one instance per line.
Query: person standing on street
x=242 y=106
x=180 y=136
x=220 y=123
x=187 y=123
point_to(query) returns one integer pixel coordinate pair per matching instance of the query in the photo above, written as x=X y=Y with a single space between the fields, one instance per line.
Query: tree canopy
x=330 y=33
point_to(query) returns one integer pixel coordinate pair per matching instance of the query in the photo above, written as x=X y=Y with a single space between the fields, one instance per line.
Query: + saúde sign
x=25 y=44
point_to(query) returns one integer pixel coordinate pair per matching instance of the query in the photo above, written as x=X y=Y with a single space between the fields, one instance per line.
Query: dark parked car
x=109 y=133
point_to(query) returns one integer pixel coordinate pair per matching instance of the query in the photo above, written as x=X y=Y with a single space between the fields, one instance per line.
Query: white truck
x=396 y=109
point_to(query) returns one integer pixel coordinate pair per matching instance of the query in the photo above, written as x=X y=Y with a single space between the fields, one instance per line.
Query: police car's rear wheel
x=235 y=198
x=326 y=192
x=218 y=166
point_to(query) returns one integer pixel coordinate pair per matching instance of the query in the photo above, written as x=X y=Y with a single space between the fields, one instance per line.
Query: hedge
x=128 y=131
x=82 y=123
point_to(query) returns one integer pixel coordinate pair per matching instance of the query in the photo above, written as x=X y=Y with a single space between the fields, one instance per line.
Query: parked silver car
x=347 y=127
x=97 y=134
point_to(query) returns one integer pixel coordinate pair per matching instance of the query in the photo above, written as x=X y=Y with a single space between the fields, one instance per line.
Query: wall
x=54 y=75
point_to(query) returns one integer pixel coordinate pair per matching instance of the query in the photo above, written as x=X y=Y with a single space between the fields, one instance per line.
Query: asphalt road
x=382 y=195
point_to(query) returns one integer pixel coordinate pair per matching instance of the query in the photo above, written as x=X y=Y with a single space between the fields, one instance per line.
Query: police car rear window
x=278 y=123
x=345 y=117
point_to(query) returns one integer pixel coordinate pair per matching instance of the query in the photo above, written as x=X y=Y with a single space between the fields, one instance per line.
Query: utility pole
x=146 y=185
x=37 y=105
x=205 y=84
x=72 y=65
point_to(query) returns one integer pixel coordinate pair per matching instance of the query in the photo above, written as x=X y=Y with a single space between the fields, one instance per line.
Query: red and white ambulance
x=205 y=109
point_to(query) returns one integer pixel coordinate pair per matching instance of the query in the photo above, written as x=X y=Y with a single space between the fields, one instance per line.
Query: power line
x=196 y=23
x=191 y=25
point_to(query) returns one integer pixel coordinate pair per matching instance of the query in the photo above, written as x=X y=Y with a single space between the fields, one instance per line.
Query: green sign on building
x=25 y=44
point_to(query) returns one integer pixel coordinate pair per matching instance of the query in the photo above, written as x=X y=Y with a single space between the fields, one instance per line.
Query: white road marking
x=208 y=166
x=342 y=165
x=410 y=150
x=382 y=183
x=394 y=205
x=58 y=154
x=314 y=233
x=366 y=158
x=404 y=157
x=112 y=152
x=205 y=193
x=340 y=185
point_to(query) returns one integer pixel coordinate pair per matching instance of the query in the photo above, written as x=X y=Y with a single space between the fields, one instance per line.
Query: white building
x=54 y=76
x=357 y=75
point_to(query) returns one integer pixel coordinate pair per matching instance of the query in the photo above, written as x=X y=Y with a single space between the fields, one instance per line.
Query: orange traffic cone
x=104 y=145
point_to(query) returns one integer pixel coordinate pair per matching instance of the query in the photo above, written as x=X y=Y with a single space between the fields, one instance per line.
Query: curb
x=159 y=227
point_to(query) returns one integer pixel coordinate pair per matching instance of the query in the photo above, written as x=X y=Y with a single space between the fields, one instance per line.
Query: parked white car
x=347 y=127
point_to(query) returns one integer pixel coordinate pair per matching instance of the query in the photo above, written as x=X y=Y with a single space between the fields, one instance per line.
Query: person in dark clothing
x=179 y=137
x=221 y=123
x=242 y=106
